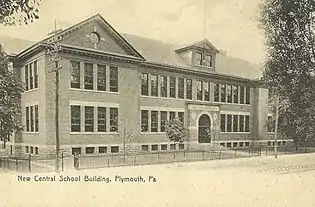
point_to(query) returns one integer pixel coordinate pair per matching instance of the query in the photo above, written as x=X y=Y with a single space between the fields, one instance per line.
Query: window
x=181 y=83
x=114 y=149
x=27 y=115
x=101 y=119
x=89 y=118
x=223 y=99
x=199 y=90
x=163 y=120
x=154 y=121
x=102 y=150
x=113 y=122
x=234 y=144
x=36 y=150
x=89 y=150
x=36 y=119
x=222 y=122
x=32 y=118
x=163 y=86
x=113 y=79
x=247 y=95
x=172 y=115
x=173 y=146
x=216 y=92
x=246 y=144
x=101 y=77
x=208 y=61
x=31 y=76
x=35 y=75
x=75 y=118
x=229 y=123
x=271 y=124
x=235 y=123
x=88 y=76
x=163 y=147
x=172 y=87
x=241 y=123
x=145 y=148
x=229 y=93
x=206 y=86
x=235 y=94
x=154 y=85
x=181 y=116
x=26 y=75
x=76 y=151
x=75 y=74
x=32 y=150
x=189 y=89
x=144 y=84
x=229 y=144
x=246 y=123
x=27 y=149
x=242 y=94
x=144 y=121
x=198 y=58
x=241 y=144
x=181 y=146
x=154 y=147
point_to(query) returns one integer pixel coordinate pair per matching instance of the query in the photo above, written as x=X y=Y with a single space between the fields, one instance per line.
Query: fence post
x=267 y=151
x=235 y=152
x=29 y=163
x=260 y=150
x=16 y=164
x=249 y=151
x=62 y=162
x=108 y=160
x=203 y=154
x=220 y=154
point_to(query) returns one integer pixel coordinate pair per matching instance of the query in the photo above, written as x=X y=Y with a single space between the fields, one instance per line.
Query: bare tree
x=125 y=132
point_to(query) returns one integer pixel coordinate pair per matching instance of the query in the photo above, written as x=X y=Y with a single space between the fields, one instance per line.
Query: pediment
x=96 y=34
x=204 y=45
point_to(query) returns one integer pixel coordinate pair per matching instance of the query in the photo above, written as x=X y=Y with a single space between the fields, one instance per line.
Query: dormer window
x=203 y=59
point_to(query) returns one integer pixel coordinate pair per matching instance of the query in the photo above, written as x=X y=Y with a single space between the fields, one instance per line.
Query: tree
x=176 y=131
x=18 y=11
x=288 y=26
x=10 y=99
x=125 y=132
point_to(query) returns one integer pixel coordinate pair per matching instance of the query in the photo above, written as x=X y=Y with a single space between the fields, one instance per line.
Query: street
x=258 y=181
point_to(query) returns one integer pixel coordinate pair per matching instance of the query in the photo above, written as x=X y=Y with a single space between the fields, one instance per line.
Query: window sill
x=238 y=104
x=234 y=132
x=34 y=133
x=204 y=67
x=93 y=133
x=32 y=90
x=94 y=91
x=153 y=133
x=166 y=98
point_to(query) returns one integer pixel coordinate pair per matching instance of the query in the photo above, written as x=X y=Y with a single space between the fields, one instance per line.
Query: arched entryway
x=204 y=123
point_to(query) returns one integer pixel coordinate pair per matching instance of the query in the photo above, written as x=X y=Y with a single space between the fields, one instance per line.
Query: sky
x=230 y=25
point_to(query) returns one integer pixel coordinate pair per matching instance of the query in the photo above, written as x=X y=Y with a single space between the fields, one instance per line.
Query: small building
x=111 y=83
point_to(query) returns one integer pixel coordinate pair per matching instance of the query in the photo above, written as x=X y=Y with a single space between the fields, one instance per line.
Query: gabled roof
x=152 y=51
x=158 y=52
x=119 y=38
x=205 y=44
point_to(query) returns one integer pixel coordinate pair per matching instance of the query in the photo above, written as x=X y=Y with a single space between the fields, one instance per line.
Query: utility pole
x=276 y=126
x=55 y=58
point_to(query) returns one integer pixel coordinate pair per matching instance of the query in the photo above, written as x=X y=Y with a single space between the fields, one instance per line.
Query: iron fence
x=41 y=164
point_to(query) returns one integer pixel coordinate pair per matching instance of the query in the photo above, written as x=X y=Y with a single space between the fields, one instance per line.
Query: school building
x=113 y=84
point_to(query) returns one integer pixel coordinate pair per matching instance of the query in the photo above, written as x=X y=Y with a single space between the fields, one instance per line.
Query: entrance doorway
x=204 y=124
